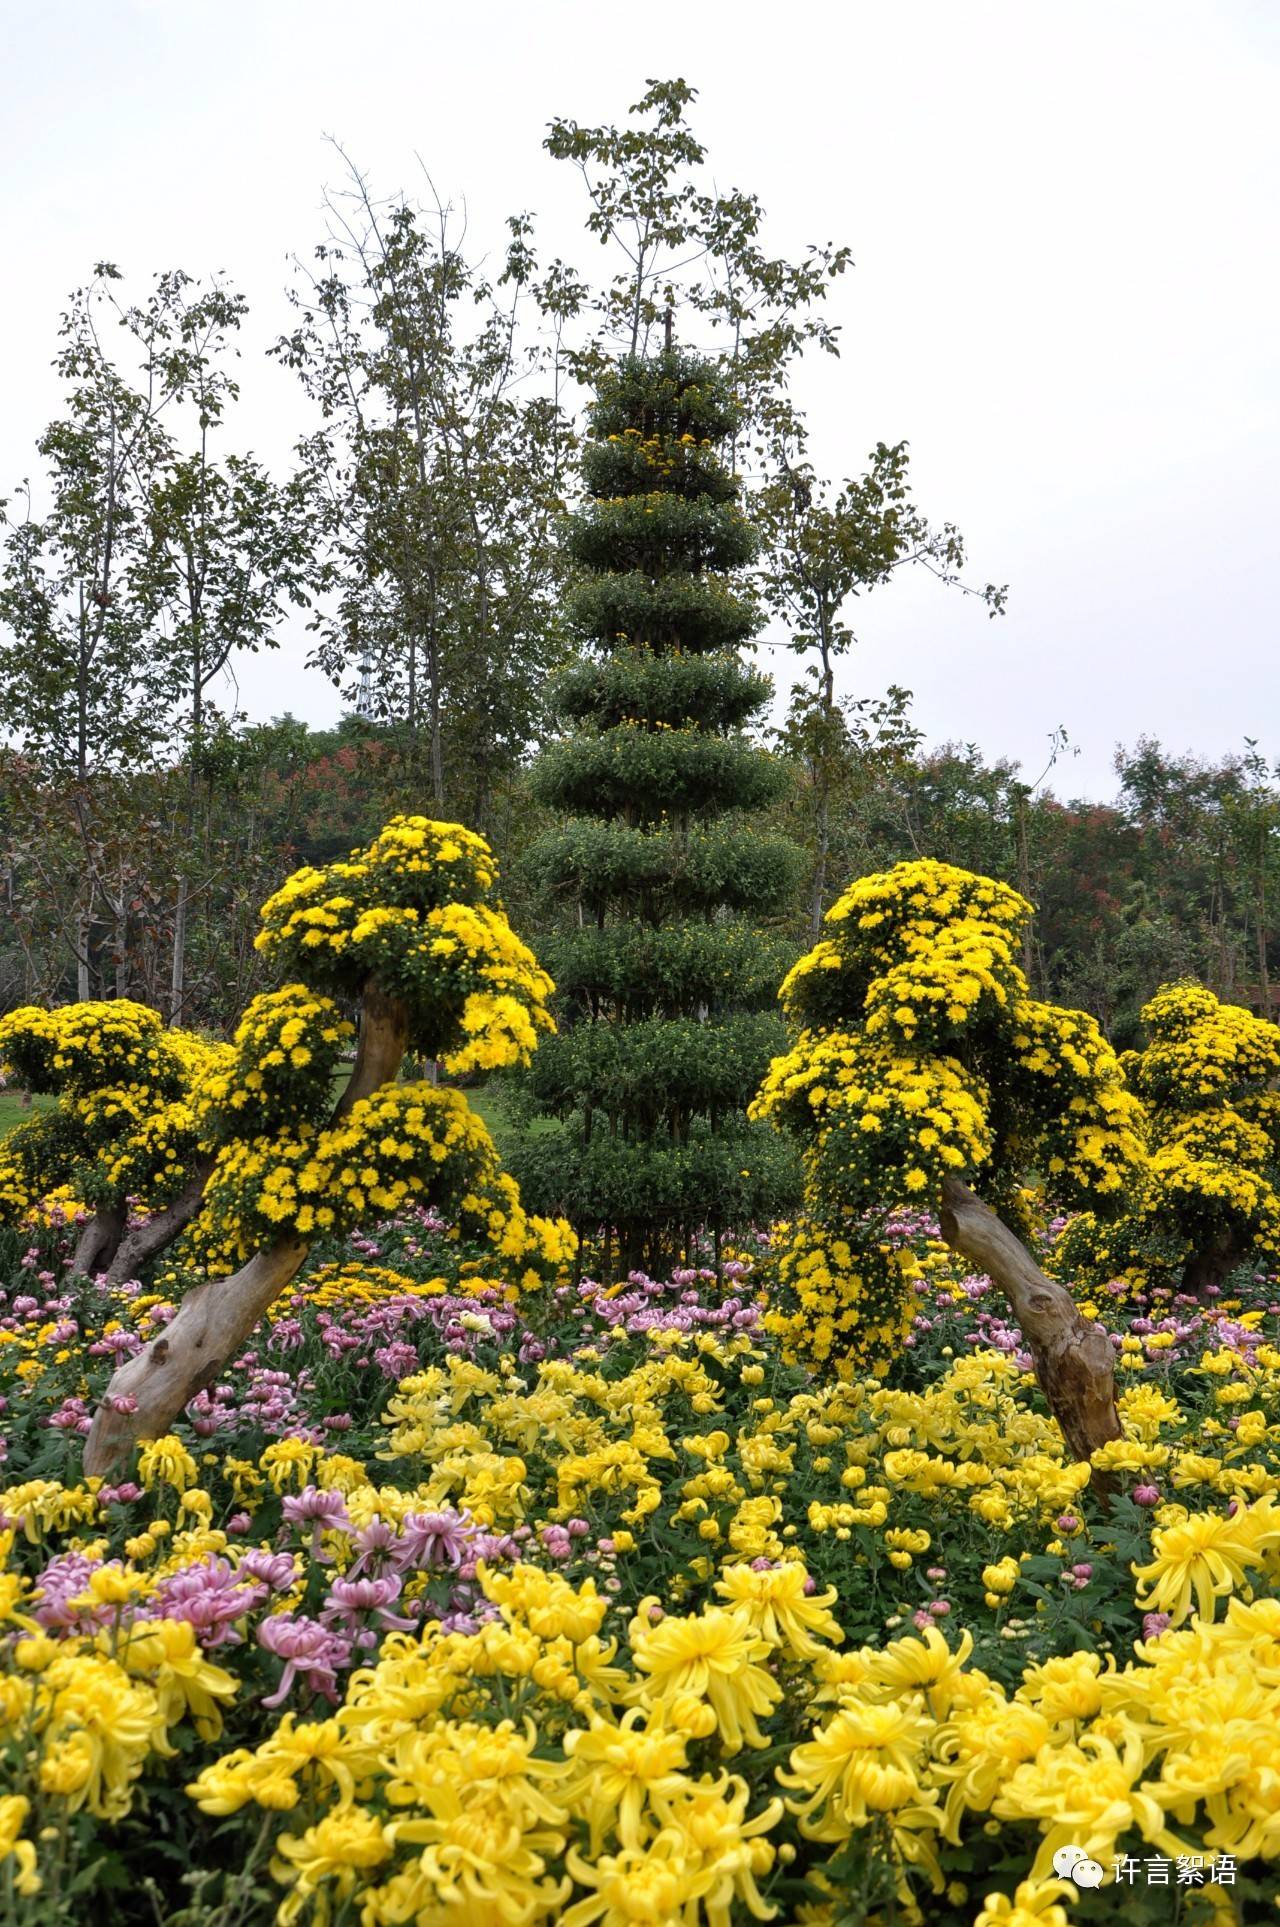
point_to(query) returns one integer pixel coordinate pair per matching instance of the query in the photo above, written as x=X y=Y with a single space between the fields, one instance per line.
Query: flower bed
x=450 y=1604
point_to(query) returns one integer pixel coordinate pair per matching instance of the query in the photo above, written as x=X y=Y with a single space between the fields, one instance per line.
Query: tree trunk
x=1074 y=1362
x=384 y=1038
x=818 y=898
x=1264 y=975
x=1024 y=881
x=214 y=1320
x=96 y=1245
x=212 y=1325
x=822 y=776
x=84 y=930
x=1212 y=1265
x=146 y=1241
x=177 y=980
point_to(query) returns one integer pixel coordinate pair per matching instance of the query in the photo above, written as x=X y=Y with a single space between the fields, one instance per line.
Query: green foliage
x=656 y=1190
x=678 y=237
x=438 y=472
x=668 y=691
x=656 y=1068
x=628 y=464
x=655 y=874
x=660 y=534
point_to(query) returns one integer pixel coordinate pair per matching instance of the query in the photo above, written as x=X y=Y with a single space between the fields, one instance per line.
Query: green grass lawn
x=489 y=1102
x=13 y=1111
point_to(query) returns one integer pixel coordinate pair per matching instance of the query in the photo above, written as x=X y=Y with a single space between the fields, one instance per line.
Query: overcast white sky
x=1064 y=220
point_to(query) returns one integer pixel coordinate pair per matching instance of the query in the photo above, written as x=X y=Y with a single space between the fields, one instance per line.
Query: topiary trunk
x=1073 y=1358
x=98 y=1241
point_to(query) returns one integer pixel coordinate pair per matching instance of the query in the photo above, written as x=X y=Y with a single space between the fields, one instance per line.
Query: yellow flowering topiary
x=409 y=930
x=410 y=912
x=124 y=1126
x=924 y=1067
x=1210 y=1194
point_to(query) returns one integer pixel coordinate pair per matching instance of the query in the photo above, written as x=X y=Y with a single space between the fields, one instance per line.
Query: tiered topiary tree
x=1209 y=1198
x=408 y=930
x=925 y=1075
x=663 y=971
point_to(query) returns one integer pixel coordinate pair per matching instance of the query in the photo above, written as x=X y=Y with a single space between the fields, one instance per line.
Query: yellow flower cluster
x=948 y=981
x=408 y=1142
x=543 y=1246
x=1208 y=1195
x=1085 y=1127
x=407 y=914
x=1202 y=1049
x=844 y=1303
x=502 y=1018
x=664 y=453
x=577 y=1748
x=896 y=921
x=545 y=1773
x=279 y=1068
x=124 y=1126
x=330 y=1287
x=151 y=1163
x=82 y=1047
x=884 y=1125
x=81 y=1717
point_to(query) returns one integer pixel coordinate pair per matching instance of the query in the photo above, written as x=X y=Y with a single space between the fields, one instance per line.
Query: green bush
x=685 y=969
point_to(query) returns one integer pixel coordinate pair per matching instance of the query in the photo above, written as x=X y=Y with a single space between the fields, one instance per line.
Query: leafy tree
x=229 y=548
x=1208 y=847
x=925 y=1075
x=685 y=243
x=822 y=550
x=83 y=689
x=439 y=464
x=82 y=686
x=1257 y=826
x=122 y=602
x=664 y=975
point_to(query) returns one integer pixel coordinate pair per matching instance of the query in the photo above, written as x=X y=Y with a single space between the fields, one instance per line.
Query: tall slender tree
x=824 y=548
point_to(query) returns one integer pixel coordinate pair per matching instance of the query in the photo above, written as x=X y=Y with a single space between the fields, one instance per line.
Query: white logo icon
x=1073 y=1863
